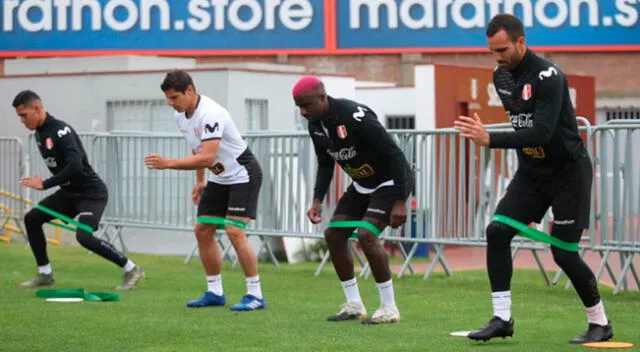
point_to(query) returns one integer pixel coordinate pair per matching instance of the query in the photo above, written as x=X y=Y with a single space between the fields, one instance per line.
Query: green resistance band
x=63 y=226
x=534 y=234
x=356 y=223
x=79 y=293
x=64 y=218
x=222 y=221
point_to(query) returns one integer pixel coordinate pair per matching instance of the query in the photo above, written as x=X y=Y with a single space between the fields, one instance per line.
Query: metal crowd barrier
x=615 y=200
x=289 y=167
x=458 y=187
x=616 y=215
x=162 y=199
x=11 y=171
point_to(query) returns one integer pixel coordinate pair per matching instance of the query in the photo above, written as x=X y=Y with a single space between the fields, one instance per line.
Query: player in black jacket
x=81 y=192
x=554 y=171
x=350 y=134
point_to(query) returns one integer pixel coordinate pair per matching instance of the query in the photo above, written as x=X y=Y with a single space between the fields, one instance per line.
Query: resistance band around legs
x=222 y=221
x=536 y=235
x=355 y=223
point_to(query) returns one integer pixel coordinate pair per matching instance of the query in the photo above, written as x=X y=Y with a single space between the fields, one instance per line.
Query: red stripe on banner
x=207 y=52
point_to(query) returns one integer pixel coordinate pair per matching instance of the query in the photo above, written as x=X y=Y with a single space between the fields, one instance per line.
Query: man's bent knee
x=235 y=233
x=366 y=238
x=564 y=258
x=34 y=217
x=89 y=219
x=83 y=237
x=499 y=234
x=204 y=232
x=337 y=235
x=569 y=233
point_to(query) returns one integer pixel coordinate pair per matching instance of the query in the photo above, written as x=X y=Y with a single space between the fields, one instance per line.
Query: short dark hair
x=510 y=23
x=26 y=97
x=177 y=80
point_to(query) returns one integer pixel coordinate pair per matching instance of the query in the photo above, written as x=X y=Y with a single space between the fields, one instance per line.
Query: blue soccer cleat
x=250 y=302
x=209 y=299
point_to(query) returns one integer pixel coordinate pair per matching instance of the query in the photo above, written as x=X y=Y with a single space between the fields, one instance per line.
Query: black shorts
x=72 y=204
x=568 y=194
x=377 y=205
x=240 y=199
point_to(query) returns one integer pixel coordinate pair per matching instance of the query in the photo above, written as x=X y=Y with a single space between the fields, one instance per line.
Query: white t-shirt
x=210 y=121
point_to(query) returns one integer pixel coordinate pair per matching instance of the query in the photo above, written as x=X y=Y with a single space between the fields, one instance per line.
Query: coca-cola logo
x=343 y=154
x=522 y=120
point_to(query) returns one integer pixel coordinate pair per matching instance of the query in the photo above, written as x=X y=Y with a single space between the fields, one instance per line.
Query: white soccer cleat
x=350 y=311
x=384 y=315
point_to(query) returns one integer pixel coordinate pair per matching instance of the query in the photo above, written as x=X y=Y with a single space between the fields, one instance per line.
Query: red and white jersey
x=212 y=121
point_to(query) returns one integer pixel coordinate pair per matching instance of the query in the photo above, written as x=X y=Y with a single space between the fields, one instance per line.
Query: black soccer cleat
x=496 y=327
x=595 y=333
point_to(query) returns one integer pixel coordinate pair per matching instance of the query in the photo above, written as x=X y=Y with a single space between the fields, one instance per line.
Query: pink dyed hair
x=305 y=85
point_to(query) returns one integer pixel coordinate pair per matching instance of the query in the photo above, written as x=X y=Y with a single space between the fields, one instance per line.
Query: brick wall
x=616 y=73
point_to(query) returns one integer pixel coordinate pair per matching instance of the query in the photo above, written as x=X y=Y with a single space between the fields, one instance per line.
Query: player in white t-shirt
x=231 y=191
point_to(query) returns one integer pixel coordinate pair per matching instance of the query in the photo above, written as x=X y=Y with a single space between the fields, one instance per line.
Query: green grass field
x=153 y=317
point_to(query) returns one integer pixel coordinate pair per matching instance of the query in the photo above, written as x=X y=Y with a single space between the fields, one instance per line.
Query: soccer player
x=554 y=171
x=232 y=189
x=81 y=192
x=350 y=134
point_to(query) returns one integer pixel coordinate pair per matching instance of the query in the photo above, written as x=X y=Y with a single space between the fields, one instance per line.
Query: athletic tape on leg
x=222 y=221
x=536 y=235
x=356 y=223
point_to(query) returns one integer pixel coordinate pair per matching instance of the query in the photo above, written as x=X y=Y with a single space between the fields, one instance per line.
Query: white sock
x=387 y=297
x=351 y=291
x=596 y=315
x=129 y=266
x=253 y=286
x=214 y=284
x=501 y=304
x=45 y=269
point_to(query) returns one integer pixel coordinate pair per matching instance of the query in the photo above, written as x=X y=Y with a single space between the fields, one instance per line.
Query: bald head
x=307 y=85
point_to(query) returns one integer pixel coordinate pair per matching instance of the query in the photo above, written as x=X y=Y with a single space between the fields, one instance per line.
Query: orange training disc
x=608 y=344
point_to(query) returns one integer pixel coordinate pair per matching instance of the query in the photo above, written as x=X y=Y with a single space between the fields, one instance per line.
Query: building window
x=257 y=114
x=140 y=115
x=622 y=114
x=404 y=122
